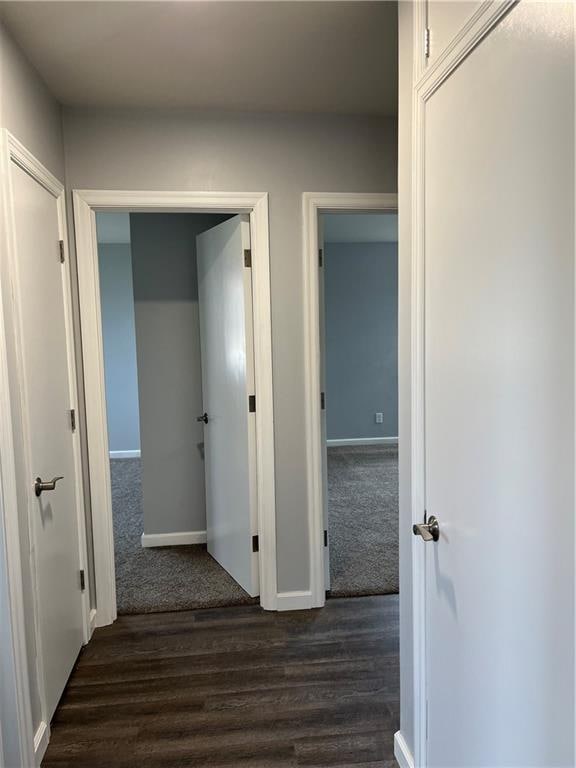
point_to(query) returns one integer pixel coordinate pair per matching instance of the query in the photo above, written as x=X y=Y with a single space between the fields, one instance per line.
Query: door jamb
x=86 y=203
x=32 y=745
x=314 y=203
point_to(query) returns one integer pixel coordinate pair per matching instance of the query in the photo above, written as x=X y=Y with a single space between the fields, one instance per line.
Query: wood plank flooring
x=236 y=687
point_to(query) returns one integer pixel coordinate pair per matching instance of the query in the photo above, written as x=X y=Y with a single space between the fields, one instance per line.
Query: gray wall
x=283 y=155
x=119 y=339
x=169 y=368
x=29 y=112
x=361 y=348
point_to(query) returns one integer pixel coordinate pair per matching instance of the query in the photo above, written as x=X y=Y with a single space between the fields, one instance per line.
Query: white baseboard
x=180 y=538
x=124 y=454
x=362 y=441
x=401 y=752
x=294 y=601
x=41 y=739
x=92 y=620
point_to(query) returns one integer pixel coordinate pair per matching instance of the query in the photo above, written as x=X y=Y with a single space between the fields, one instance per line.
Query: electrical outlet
x=379 y=418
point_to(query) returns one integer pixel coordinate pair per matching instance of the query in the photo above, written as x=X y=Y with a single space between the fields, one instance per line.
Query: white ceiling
x=113 y=228
x=335 y=57
x=360 y=227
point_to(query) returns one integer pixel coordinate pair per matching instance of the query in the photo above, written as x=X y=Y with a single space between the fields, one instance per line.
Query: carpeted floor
x=363 y=529
x=160 y=578
x=363 y=520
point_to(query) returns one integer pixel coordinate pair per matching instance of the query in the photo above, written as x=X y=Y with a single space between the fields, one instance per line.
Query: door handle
x=203 y=418
x=48 y=485
x=429 y=531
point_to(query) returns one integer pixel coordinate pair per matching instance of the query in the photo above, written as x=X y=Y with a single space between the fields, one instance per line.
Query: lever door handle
x=48 y=485
x=429 y=531
x=203 y=418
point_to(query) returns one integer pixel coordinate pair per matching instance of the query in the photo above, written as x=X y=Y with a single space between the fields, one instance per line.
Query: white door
x=41 y=300
x=499 y=397
x=226 y=338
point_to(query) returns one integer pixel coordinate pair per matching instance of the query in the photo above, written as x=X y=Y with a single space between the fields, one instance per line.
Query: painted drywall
x=346 y=227
x=27 y=108
x=28 y=111
x=406 y=63
x=119 y=341
x=169 y=368
x=283 y=155
x=361 y=339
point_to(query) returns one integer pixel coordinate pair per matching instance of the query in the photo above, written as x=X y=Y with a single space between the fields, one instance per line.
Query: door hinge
x=325 y=538
x=247 y=257
x=426 y=43
x=255 y=543
x=252 y=403
x=82 y=580
x=322 y=401
x=73 y=420
x=320 y=257
x=61 y=247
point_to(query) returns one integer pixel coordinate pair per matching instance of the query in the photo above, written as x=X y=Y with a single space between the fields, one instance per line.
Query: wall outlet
x=379 y=418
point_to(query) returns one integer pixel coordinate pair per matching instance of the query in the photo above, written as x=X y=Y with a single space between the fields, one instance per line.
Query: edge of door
x=32 y=745
x=85 y=205
x=314 y=203
x=426 y=80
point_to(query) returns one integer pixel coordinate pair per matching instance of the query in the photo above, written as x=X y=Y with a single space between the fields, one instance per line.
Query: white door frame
x=86 y=204
x=314 y=203
x=427 y=79
x=33 y=745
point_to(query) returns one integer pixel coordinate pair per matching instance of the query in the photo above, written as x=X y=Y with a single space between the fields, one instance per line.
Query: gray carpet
x=363 y=520
x=162 y=578
x=363 y=517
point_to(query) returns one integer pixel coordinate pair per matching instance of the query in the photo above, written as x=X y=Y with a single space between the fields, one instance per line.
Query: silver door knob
x=203 y=418
x=48 y=485
x=429 y=531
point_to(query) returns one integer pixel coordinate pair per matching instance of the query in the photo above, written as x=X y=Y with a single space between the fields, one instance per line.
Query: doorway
x=359 y=357
x=155 y=321
x=181 y=440
x=371 y=461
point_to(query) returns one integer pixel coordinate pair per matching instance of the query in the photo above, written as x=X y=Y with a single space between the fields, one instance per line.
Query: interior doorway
x=353 y=461
x=359 y=363
x=187 y=403
x=163 y=319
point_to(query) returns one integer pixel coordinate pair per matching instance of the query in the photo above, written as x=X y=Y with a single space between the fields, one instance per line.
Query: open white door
x=226 y=336
x=498 y=226
x=41 y=301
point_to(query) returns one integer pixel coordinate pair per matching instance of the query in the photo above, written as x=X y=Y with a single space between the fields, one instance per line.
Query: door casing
x=86 y=204
x=313 y=204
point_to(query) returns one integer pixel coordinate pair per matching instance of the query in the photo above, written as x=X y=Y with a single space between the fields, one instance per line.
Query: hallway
x=236 y=687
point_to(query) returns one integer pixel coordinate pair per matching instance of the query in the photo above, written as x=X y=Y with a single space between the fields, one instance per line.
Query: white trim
x=93 y=613
x=124 y=454
x=426 y=81
x=341 y=443
x=314 y=203
x=86 y=203
x=402 y=754
x=177 y=539
x=41 y=739
x=16 y=657
x=295 y=601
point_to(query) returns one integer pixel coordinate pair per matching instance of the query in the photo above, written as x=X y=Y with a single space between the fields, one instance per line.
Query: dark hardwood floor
x=236 y=687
